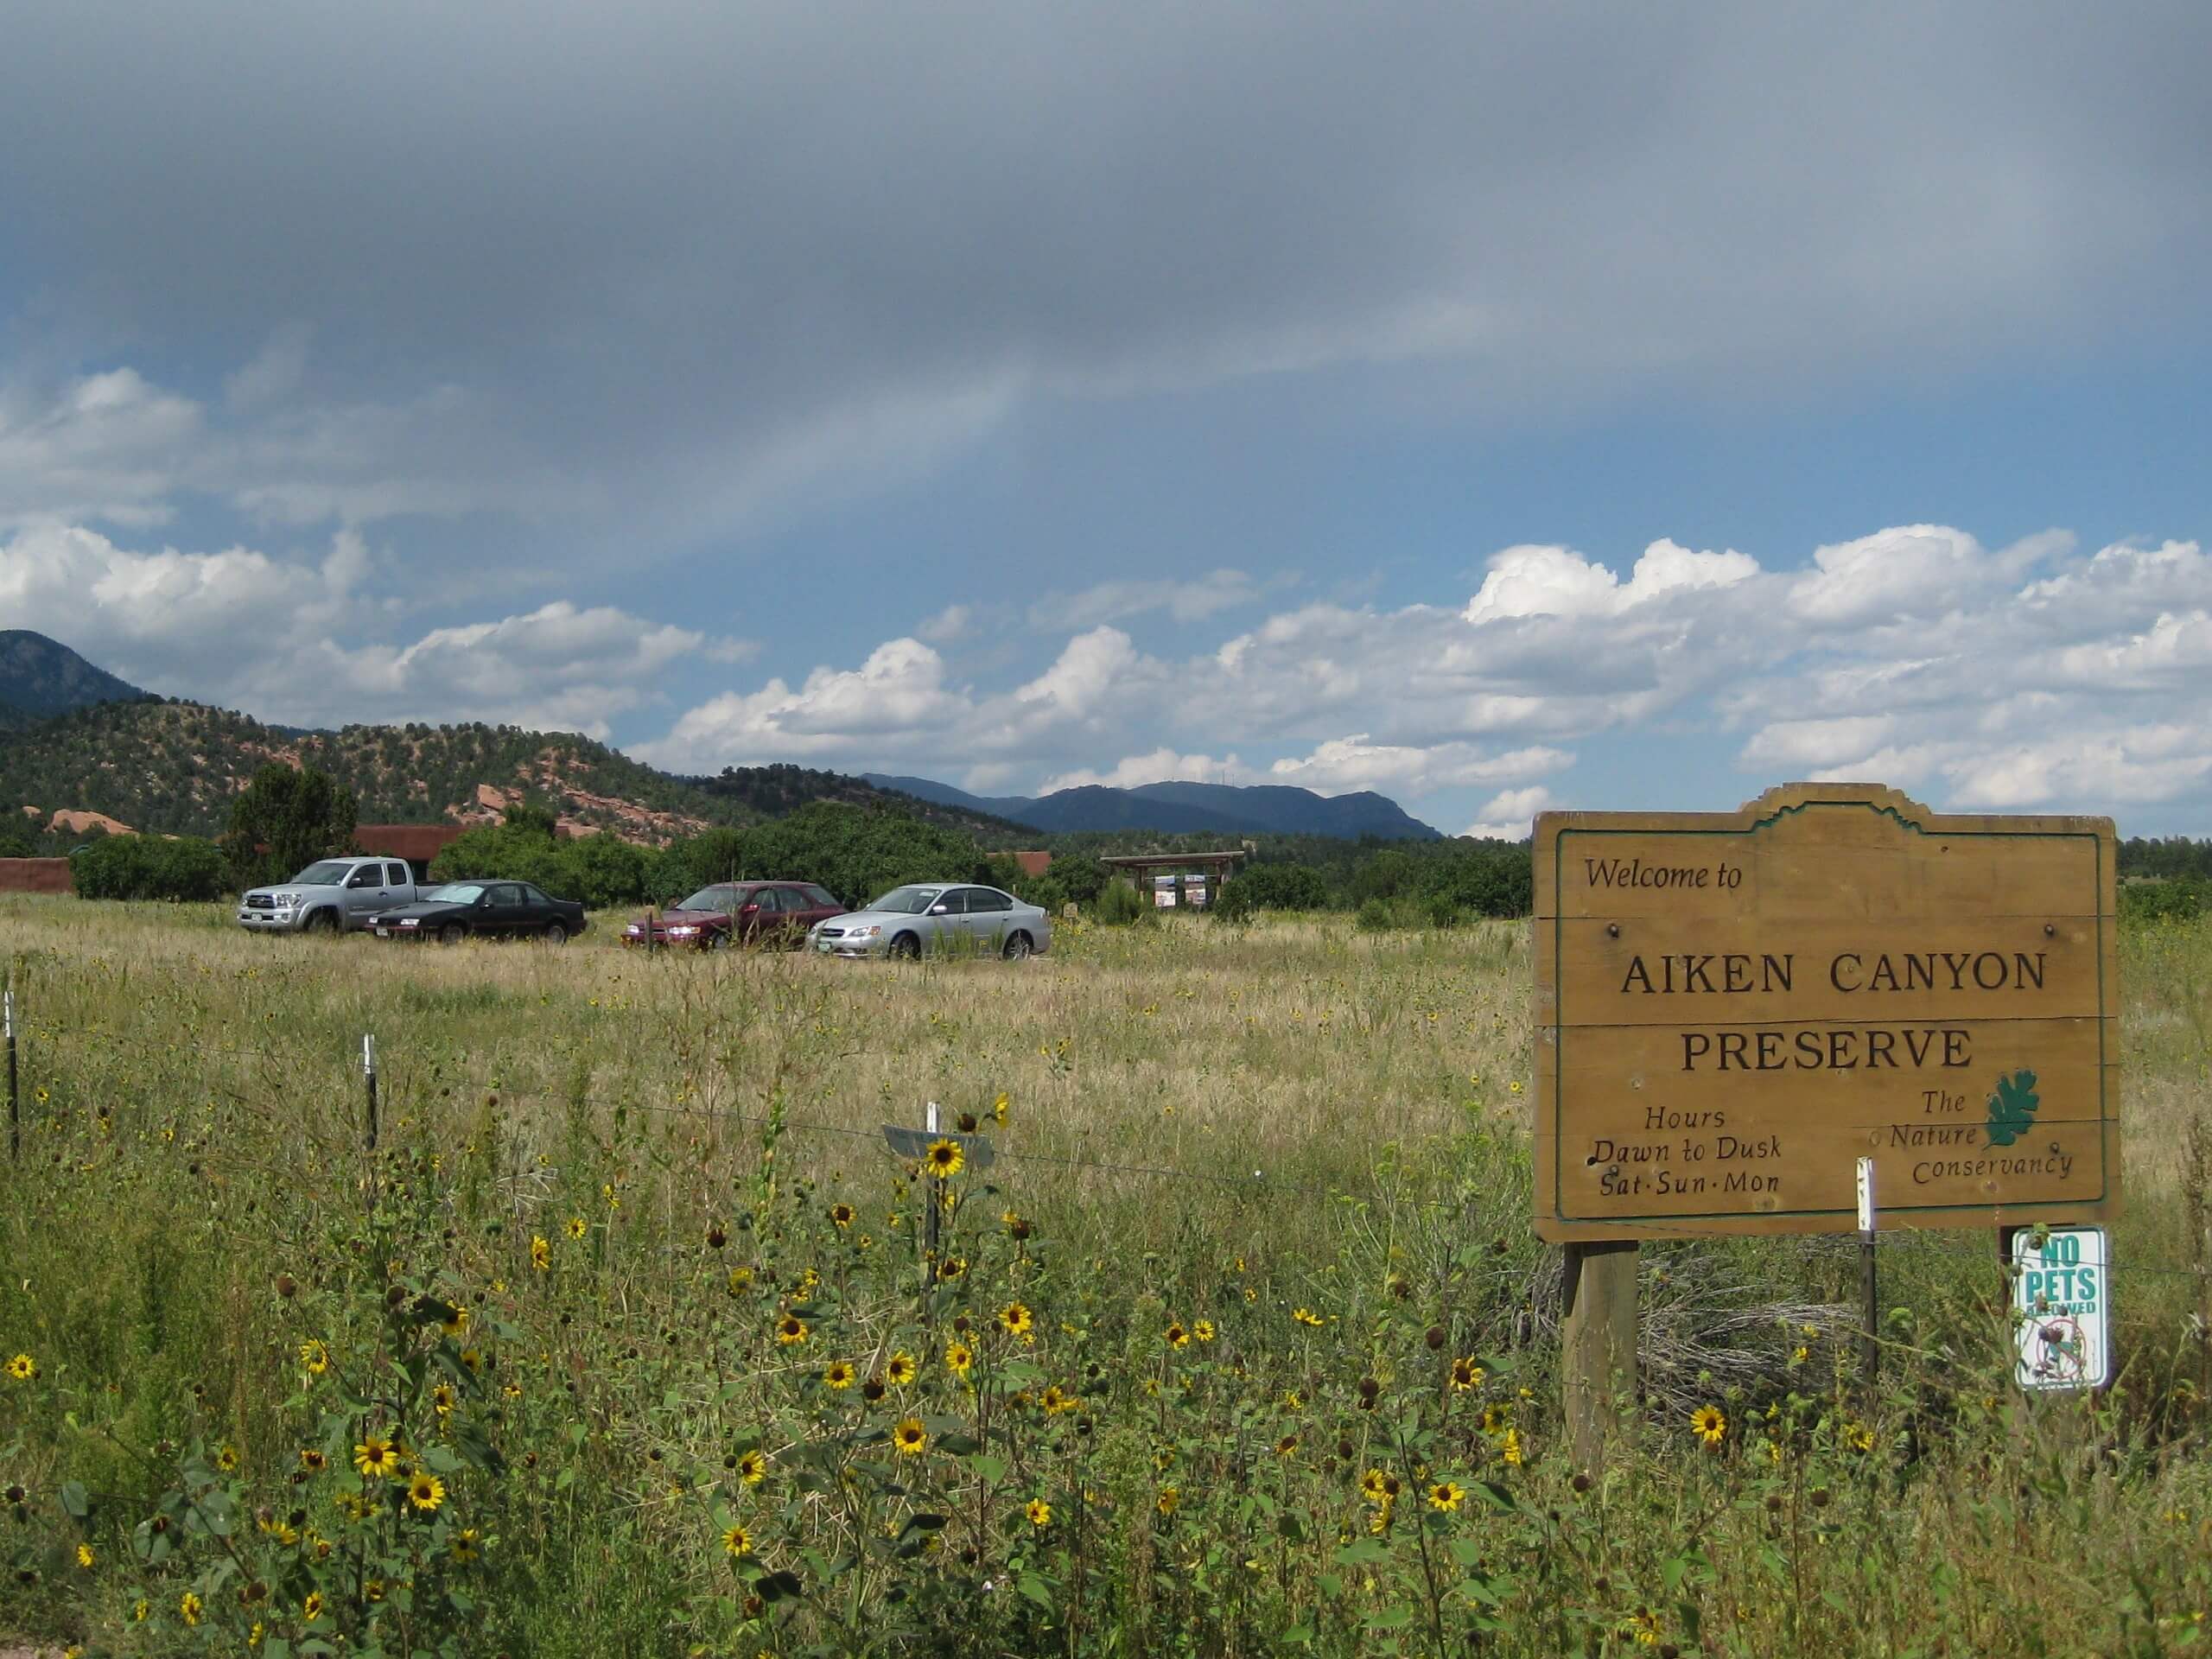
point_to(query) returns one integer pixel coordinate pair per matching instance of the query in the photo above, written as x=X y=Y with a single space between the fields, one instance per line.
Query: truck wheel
x=320 y=921
x=452 y=934
x=555 y=933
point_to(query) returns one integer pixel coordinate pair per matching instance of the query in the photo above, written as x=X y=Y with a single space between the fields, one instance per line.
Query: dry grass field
x=1241 y=1343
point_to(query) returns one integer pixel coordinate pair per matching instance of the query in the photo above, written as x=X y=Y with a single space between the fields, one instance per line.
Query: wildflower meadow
x=1210 y=1322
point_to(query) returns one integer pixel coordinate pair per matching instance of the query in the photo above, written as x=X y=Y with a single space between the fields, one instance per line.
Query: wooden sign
x=1734 y=1007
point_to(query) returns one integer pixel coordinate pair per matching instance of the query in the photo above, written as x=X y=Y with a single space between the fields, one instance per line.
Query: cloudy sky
x=1495 y=406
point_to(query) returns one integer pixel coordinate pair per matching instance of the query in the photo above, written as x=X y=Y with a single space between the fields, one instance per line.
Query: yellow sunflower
x=1175 y=1336
x=842 y=1214
x=736 y=1541
x=466 y=1544
x=22 y=1368
x=190 y=1608
x=541 y=1253
x=753 y=1467
x=315 y=1356
x=1055 y=1400
x=838 y=1374
x=426 y=1491
x=1307 y=1316
x=1466 y=1375
x=1168 y=1500
x=1040 y=1512
x=900 y=1370
x=578 y=1226
x=958 y=1357
x=910 y=1437
x=376 y=1458
x=1445 y=1495
x=1707 y=1423
x=944 y=1158
x=1015 y=1320
x=1203 y=1330
x=791 y=1329
x=311 y=1609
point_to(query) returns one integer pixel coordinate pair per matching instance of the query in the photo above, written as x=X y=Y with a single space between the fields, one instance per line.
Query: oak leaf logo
x=2012 y=1108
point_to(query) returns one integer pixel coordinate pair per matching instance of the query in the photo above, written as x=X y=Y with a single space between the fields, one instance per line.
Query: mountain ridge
x=1179 y=807
x=40 y=678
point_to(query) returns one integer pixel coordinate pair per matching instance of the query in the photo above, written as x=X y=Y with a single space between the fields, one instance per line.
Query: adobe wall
x=35 y=875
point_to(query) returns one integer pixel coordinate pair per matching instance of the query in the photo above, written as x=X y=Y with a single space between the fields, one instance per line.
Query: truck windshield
x=328 y=873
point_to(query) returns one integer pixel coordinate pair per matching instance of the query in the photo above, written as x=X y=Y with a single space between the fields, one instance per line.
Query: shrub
x=2179 y=899
x=184 y=869
x=1281 y=887
x=1376 y=916
x=1120 y=905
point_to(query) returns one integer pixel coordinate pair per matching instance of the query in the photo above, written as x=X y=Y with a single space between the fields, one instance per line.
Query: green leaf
x=1035 y=1589
x=990 y=1468
x=75 y=1499
x=2012 y=1108
x=1362 y=1552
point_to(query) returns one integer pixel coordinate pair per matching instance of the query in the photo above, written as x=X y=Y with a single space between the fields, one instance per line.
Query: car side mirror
x=750 y=910
x=940 y=910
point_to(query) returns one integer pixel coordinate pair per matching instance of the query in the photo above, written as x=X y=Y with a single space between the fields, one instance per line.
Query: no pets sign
x=2061 y=1306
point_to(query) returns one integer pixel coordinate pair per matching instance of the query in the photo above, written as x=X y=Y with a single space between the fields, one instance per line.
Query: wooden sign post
x=1733 y=1008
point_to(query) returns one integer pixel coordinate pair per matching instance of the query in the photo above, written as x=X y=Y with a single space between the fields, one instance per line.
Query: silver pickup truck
x=327 y=895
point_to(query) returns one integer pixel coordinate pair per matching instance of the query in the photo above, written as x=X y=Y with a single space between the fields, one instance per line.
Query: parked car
x=729 y=912
x=493 y=909
x=936 y=917
x=329 y=894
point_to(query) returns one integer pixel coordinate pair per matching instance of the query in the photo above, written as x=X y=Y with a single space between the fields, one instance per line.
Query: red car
x=734 y=913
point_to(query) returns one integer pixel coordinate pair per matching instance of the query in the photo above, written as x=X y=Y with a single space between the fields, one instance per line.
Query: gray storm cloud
x=665 y=263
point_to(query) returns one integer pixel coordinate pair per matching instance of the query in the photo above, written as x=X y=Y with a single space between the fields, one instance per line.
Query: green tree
x=284 y=820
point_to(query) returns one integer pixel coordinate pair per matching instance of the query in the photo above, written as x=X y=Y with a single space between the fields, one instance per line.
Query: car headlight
x=869 y=933
x=411 y=921
x=634 y=928
x=681 y=932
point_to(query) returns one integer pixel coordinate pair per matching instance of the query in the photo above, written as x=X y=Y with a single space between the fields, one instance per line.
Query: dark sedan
x=729 y=912
x=492 y=909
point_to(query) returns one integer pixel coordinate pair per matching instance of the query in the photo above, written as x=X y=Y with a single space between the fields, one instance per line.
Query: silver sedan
x=939 y=917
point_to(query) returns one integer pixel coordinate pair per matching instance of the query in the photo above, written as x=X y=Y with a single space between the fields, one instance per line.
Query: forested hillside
x=173 y=768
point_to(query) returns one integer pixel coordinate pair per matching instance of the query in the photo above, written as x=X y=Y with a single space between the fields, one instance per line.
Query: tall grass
x=1258 y=1189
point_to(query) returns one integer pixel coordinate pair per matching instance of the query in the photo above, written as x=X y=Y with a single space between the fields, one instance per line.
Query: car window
x=507 y=892
x=534 y=895
x=456 y=892
x=954 y=902
x=395 y=875
x=983 y=899
x=907 y=901
x=369 y=875
x=771 y=901
x=819 y=897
